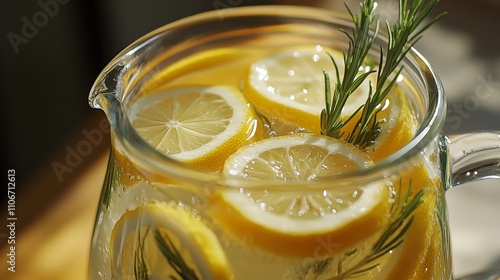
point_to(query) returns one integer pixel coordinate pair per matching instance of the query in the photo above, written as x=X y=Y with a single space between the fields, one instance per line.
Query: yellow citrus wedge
x=290 y=85
x=293 y=220
x=201 y=126
x=163 y=241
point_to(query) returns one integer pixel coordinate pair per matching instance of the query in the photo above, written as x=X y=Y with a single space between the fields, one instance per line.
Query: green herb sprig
x=171 y=254
x=141 y=271
x=360 y=43
x=392 y=236
x=401 y=38
x=405 y=203
x=174 y=258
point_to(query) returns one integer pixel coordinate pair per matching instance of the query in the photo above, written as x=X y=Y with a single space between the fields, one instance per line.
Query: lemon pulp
x=201 y=126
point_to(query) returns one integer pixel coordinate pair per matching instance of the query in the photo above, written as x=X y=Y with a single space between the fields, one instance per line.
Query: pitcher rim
x=137 y=148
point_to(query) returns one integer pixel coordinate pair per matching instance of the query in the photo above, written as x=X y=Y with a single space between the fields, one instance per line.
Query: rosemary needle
x=391 y=238
x=171 y=254
x=174 y=258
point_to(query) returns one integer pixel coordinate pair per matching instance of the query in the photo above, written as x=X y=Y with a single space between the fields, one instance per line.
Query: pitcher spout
x=110 y=81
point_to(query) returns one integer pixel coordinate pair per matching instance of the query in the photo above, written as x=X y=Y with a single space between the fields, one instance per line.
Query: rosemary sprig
x=401 y=38
x=360 y=43
x=174 y=258
x=171 y=254
x=141 y=271
x=392 y=236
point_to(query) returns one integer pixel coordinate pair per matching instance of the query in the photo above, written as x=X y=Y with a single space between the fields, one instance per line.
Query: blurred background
x=52 y=50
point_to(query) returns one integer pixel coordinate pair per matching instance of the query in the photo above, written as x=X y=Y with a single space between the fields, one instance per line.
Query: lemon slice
x=164 y=241
x=297 y=221
x=398 y=126
x=290 y=85
x=201 y=126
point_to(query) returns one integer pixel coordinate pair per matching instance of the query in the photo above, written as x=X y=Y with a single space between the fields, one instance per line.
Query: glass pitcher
x=163 y=217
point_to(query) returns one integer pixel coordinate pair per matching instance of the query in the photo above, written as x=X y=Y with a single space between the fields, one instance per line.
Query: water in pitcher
x=251 y=113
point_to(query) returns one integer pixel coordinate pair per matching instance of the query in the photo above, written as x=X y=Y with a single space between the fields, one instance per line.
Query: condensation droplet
x=100 y=217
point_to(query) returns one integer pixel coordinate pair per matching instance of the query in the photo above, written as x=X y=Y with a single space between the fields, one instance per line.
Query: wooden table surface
x=56 y=245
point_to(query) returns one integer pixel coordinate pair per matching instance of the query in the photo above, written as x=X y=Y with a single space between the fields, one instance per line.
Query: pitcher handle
x=474 y=156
